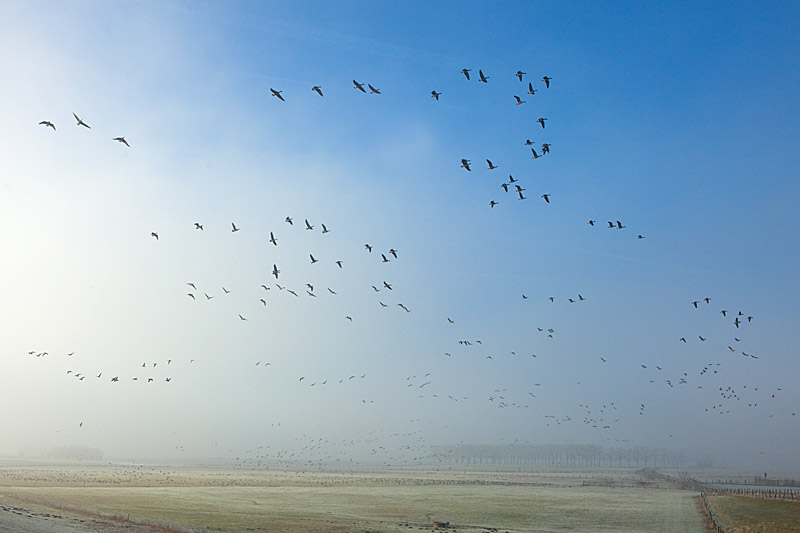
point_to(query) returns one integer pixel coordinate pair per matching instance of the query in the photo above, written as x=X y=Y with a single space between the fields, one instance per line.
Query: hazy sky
x=679 y=121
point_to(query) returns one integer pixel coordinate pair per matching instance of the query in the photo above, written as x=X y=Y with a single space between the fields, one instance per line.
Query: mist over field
x=264 y=275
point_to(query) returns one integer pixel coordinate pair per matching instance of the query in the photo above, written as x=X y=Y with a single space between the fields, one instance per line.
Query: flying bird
x=317 y=89
x=394 y=253
x=289 y=221
x=154 y=234
x=436 y=95
x=520 y=101
x=359 y=86
x=308 y=226
x=242 y=318
x=373 y=90
x=197 y=225
x=277 y=94
x=466 y=72
x=48 y=124
x=519 y=74
x=80 y=122
x=384 y=259
x=531 y=90
x=275 y=271
x=484 y=79
x=324 y=229
x=492 y=204
x=121 y=140
x=465 y=164
x=191 y=285
x=546 y=198
x=235 y=229
x=546 y=81
x=491 y=166
x=541 y=121
x=312 y=259
x=272 y=239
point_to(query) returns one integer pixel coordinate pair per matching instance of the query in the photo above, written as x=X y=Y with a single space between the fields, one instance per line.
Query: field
x=739 y=514
x=197 y=499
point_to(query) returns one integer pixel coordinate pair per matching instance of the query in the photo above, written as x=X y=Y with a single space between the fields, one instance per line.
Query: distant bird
x=504 y=186
x=511 y=179
x=263 y=301
x=331 y=291
x=317 y=89
x=121 y=140
x=394 y=254
x=48 y=124
x=546 y=198
x=275 y=271
x=404 y=308
x=702 y=339
x=546 y=81
x=359 y=86
x=528 y=142
x=465 y=164
x=707 y=299
x=277 y=94
x=384 y=259
x=309 y=226
x=491 y=166
x=465 y=72
x=695 y=304
x=207 y=296
x=226 y=291
x=531 y=90
x=387 y=286
x=368 y=248
x=289 y=221
x=436 y=95
x=235 y=229
x=272 y=239
x=541 y=121
x=373 y=90
x=520 y=101
x=640 y=236
x=724 y=312
x=190 y=294
x=324 y=229
x=535 y=155
x=591 y=222
x=484 y=79
x=312 y=259
x=339 y=263
x=683 y=339
x=154 y=234
x=80 y=122
x=492 y=204
x=197 y=225
x=545 y=148
x=619 y=225
x=450 y=320
x=521 y=197
x=519 y=74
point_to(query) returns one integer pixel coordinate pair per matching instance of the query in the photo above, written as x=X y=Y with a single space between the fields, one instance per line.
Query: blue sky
x=679 y=121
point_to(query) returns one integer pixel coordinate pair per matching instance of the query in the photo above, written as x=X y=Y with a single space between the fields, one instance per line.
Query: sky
x=677 y=122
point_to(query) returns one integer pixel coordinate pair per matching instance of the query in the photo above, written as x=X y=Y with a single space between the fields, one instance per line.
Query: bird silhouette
x=48 y=124
x=121 y=140
x=435 y=95
x=80 y=122
x=519 y=74
x=465 y=72
x=317 y=89
x=359 y=86
x=272 y=239
x=541 y=121
x=277 y=94
x=465 y=164
x=531 y=90
x=484 y=79
x=309 y=226
x=373 y=90
x=491 y=166
x=520 y=101
x=546 y=81
x=234 y=228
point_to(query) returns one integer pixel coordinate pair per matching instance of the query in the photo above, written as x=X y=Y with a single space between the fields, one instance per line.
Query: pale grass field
x=219 y=500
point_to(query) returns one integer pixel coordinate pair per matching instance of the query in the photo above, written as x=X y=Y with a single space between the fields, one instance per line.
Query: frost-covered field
x=233 y=500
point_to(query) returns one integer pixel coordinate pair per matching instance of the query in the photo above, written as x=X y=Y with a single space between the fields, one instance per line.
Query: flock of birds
x=426 y=385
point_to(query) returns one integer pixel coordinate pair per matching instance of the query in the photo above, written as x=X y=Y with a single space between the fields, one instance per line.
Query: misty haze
x=518 y=267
